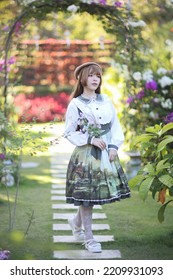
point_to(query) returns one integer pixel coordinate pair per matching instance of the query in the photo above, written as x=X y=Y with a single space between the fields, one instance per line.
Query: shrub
x=31 y=107
x=156 y=174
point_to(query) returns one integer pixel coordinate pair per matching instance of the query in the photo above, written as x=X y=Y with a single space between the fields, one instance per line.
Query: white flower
x=156 y=100
x=166 y=103
x=72 y=8
x=153 y=115
x=165 y=91
x=86 y=1
x=26 y=2
x=169 y=2
x=8 y=180
x=165 y=81
x=125 y=72
x=168 y=42
x=148 y=75
x=139 y=23
x=146 y=106
x=1 y=127
x=137 y=76
x=161 y=71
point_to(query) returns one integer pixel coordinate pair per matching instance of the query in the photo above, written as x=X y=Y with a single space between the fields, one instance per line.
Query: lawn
x=138 y=234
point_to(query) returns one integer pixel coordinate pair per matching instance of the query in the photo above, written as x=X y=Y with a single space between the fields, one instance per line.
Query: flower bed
x=150 y=101
x=31 y=107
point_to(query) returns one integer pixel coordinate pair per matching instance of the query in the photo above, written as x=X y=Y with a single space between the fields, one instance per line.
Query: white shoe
x=93 y=246
x=78 y=232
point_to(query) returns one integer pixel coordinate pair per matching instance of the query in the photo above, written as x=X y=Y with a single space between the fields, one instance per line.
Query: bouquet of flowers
x=93 y=129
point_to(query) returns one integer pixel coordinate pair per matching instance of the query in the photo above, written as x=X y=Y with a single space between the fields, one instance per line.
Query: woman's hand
x=112 y=154
x=99 y=143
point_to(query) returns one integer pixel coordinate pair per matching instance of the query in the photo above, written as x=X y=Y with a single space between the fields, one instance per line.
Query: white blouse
x=98 y=111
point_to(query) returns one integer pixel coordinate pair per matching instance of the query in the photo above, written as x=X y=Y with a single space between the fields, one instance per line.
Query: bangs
x=95 y=70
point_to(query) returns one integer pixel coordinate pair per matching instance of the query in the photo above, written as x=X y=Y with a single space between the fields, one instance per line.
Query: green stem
x=17 y=191
x=9 y=209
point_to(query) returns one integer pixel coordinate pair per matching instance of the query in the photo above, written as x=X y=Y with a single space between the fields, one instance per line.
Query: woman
x=94 y=174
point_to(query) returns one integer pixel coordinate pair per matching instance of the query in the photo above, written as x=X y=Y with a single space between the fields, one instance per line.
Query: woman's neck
x=88 y=94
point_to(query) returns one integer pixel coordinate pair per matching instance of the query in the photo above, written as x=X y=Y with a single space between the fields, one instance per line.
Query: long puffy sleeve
x=117 y=135
x=77 y=138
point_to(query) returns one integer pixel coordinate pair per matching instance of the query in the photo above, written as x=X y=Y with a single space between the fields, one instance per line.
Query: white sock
x=86 y=217
x=77 y=219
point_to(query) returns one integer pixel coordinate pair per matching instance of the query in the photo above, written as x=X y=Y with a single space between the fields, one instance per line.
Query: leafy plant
x=14 y=143
x=156 y=174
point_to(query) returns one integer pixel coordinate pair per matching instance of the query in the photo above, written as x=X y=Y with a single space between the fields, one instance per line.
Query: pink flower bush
x=31 y=107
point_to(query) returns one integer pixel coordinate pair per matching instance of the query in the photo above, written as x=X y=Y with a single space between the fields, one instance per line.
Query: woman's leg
x=77 y=219
x=90 y=244
x=76 y=226
x=86 y=217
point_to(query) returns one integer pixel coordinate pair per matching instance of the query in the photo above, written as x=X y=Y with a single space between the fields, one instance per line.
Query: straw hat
x=78 y=69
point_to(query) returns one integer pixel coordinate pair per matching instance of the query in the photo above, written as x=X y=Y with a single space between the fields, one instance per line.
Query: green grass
x=34 y=195
x=134 y=224
x=137 y=231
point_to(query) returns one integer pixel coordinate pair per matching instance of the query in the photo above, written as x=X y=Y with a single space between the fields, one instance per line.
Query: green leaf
x=167 y=180
x=161 y=211
x=145 y=187
x=162 y=165
x=142 y=139
x=166 y=127
x=149 y=168
x=153 y=129
x=135 y=180
x=163 y=143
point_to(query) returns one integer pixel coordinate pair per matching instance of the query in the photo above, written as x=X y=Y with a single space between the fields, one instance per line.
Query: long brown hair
x=82 y=79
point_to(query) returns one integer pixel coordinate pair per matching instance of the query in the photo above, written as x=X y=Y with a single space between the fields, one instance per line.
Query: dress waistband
x=96 y=151
x=105 y=127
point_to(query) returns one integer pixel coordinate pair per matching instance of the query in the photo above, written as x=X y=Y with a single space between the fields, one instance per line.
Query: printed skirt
x=91 y=181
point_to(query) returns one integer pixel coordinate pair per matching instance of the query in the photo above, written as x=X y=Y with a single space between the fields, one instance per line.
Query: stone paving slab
x=71 y=239
x=58 y=197
x=94 y=227
x=64 y=161
x=57 y=170
x=58 y=181
x=70 y=206
x=59 y=166
x=66 y=216
x=58 y=186
x=29 y=164
x=85 y=255
x=59 y=175
x=58 y=191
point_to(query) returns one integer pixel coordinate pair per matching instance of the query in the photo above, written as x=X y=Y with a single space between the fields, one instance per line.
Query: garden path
x=60 y=155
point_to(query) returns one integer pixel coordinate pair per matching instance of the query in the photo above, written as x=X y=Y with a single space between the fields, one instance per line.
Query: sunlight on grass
x=39 y=178
x=17 y=236
x=5 y=198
